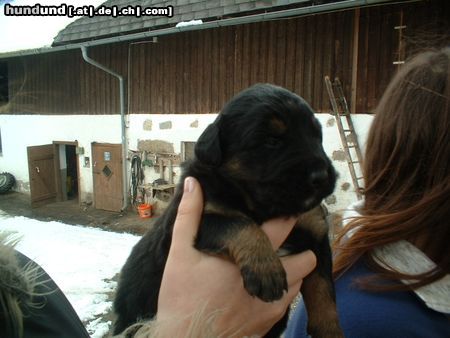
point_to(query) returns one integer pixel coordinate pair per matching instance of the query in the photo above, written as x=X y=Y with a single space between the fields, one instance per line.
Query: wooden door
x=42 y=173
x=107 y=171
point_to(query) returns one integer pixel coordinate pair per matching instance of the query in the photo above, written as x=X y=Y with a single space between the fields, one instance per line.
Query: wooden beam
x=355 y=60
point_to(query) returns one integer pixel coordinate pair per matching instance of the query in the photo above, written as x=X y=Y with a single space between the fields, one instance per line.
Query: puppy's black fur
x=262 y=158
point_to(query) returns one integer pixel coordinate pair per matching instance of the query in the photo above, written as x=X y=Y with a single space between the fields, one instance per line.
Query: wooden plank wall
x=99 y=90
x=426 y=25
x=44 y=84
x=378 y=45
x=198 y=71
x=63 y=83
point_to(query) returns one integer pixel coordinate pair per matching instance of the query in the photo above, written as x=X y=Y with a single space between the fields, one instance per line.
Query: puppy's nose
x=318 y=178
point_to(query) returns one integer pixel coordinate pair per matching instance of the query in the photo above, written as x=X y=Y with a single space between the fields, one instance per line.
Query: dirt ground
x=71 y=212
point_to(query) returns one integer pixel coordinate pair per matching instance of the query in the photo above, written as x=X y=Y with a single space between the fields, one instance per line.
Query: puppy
x=262 y=158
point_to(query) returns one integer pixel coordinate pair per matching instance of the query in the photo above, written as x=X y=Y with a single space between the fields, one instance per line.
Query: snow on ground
x=81 y=260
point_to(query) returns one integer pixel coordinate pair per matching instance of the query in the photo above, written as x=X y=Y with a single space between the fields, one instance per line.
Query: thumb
x=188 y=218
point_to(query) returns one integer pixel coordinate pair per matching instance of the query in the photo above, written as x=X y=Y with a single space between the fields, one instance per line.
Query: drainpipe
x=122 y=121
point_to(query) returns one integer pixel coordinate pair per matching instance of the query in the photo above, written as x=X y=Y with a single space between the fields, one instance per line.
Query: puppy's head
x=266 y=145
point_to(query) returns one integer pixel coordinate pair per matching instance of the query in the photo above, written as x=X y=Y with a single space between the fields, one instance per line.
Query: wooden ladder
x=347 y=132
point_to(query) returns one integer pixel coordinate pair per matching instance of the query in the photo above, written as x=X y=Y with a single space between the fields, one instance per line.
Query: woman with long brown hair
x=392 y=259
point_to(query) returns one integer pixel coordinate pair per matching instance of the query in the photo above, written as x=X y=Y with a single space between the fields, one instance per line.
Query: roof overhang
x=301 y=11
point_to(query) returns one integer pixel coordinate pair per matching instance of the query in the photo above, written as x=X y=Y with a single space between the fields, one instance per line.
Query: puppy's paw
x=266 y=280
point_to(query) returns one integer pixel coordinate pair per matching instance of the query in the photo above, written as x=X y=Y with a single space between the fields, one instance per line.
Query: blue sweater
x=366 y=314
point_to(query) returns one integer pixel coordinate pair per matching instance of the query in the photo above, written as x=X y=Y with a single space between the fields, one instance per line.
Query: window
x=187 y=150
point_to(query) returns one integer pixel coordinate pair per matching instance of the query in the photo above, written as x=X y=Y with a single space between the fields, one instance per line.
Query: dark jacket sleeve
x=53 y=316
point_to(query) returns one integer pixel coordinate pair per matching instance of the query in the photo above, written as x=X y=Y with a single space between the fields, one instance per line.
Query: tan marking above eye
x=278 y=125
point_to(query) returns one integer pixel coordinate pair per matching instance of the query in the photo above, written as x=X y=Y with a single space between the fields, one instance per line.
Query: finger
x=299 y=266
x=294 y=289
x=278 y=229
x=188 y=217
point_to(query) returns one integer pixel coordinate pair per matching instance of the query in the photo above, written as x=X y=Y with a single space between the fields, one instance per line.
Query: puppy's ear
x=207 y=148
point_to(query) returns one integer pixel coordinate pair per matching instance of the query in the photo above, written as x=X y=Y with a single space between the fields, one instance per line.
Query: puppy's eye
x=272 y=142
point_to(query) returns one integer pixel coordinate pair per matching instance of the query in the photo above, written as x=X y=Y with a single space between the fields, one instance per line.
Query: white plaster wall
x=181 y=129
x=20 y=131
x=188 y=127
x=332 y=143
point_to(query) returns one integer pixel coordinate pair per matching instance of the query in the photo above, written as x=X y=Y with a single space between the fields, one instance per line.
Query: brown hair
x=407 y=174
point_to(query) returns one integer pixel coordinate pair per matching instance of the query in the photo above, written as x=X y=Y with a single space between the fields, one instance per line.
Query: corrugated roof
x=98 y=27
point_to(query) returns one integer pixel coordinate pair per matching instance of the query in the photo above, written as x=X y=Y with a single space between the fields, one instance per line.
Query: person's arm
x=203 y=295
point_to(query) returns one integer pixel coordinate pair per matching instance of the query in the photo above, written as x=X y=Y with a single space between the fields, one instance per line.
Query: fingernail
x=189 y=184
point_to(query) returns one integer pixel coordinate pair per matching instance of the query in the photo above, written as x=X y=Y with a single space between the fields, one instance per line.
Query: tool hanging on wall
x=146 y=161
x=137 y=178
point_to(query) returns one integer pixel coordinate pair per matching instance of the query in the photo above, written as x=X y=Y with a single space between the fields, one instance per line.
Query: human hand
x=195 y=283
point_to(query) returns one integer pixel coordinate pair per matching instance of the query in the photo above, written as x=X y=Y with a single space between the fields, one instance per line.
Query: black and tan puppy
x=262 y=158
